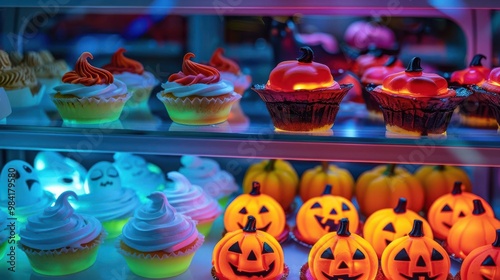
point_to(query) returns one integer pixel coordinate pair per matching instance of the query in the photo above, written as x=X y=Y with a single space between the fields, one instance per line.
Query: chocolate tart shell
x=303 y=110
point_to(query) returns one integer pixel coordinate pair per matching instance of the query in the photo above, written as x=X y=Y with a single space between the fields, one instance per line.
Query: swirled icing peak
x=222 y=63
x=475 y=74
x=5 y=63
x=61 y=209
x=195 y=73
x=46 y=56
x=87 y=74
x=32 y=59
x=119 y=64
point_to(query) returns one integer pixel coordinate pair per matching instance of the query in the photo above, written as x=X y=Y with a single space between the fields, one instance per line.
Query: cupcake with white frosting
x=60 y=241
x=106 y=200
x=206 y=173
x=90 y=94
x=158 y=241
x=192 y=201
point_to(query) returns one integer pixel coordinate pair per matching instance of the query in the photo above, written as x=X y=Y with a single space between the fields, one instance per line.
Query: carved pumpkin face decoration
x=321 y=215
x=415 y=257
x=342 y=255
x=483 y=262
x=450 y=208
x=385 y=225
x=268 y=214
x=248 y=254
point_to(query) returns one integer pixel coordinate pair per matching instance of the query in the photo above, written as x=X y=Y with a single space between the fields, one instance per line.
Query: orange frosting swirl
x=195 y=73
x=222 y=63
x=120 y=63
x=414 y=82
x=87 y=74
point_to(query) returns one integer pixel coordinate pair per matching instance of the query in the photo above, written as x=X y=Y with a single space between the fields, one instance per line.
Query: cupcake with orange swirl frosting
x=90 y=94
x=417 y=103
x=139 y=82
x=20 y=83
x=490 y=90
x=230 y=71
x=197 y=95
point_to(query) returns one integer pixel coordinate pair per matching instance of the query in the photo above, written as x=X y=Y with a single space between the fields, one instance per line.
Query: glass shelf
x=148 y=130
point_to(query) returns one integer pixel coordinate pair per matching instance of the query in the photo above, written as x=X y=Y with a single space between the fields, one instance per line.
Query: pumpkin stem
x=440 y=167
x=497 y=240
x=414 y=65
x=390 y=170
x=327 y=190
x=307 y=55
x=457 y=188
x=391 y=60
x=270 y=165
x=478 y=207
x=401 y=207
x=255 y=188
x=417 y=230
x=476 y=60
x=251 y=224
x=343 y=228
x=324 y=166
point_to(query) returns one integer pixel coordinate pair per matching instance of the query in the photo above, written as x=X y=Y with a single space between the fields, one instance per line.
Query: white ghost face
x=22 y=175
x=103 y=178
x=131 y=167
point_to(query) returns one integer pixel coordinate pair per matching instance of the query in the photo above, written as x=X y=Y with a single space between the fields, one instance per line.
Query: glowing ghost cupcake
x=58 y=174
x=159 y=242
x=59 y=241
x=20 y=184
x=138 y=174
x=106 y=200
x=192 y=201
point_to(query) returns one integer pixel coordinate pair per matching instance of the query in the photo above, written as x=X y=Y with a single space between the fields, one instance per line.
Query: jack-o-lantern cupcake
x=374 y=57
x=474 y=111
x=490 y=90
x=302 y=95
x=417 y=103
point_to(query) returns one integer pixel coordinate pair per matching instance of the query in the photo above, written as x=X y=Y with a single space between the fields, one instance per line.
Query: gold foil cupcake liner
x=57 y=252
x=178 y=253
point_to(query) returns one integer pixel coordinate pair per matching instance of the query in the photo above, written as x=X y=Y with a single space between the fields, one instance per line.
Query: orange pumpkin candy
x=377 y=189
x=473 y=231
x=415 y=257
x=483 y=262
x=342 y=255
x=321 y=215
x=248 y=254
x=439 y=180
x=277 y=178
x=268 y=214
x=450 y=208
x=313 y=181
x=386 y=225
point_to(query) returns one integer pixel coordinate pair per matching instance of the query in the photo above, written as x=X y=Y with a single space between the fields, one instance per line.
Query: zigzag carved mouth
x=331 y=224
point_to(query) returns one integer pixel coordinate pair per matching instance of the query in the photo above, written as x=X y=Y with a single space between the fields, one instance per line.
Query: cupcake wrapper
x=493 y=100
x=198 y=111
x=61 y=251
x=421 y=116
x=305 y=110
x=370 y=102
x=476 y=106
x=25 y=97
x=90 y=109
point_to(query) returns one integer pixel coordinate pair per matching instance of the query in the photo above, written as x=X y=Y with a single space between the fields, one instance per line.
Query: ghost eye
x=263 y=210
x=27 y=169
x=96 y=175
x=17 y=176
x=316 y=205
x=112 y=172
x=67 y=180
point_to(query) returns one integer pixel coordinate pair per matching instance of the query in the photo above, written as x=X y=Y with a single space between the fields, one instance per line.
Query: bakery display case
x=446 y=35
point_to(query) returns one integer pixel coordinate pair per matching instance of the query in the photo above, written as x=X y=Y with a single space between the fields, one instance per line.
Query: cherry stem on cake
x=391 y=169
x=391 y=60
x=417 y=230
x=324 y=166
x=307 y=55
x=343 y=228
x=327 y=190
x=476 y=60
x=250 y=225
x=496 y=243
x=270 y=165
x=255 y=188
x=401 y=207
x=478 y=207
x=457 y=188
x=414 y=65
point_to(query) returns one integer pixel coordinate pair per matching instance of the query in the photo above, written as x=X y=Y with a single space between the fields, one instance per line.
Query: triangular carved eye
x=389 y=227
x=243 y=211
x=489 y=261
x=345 y=207
x=263 y=210
x=316 y=205
x=267 y=249
x=252 y=256
x=333 y=212
x=446 y=208
x=327 y=254
x=235 y=248
x=358 y=255
x=402 y=256
x=436 y=256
